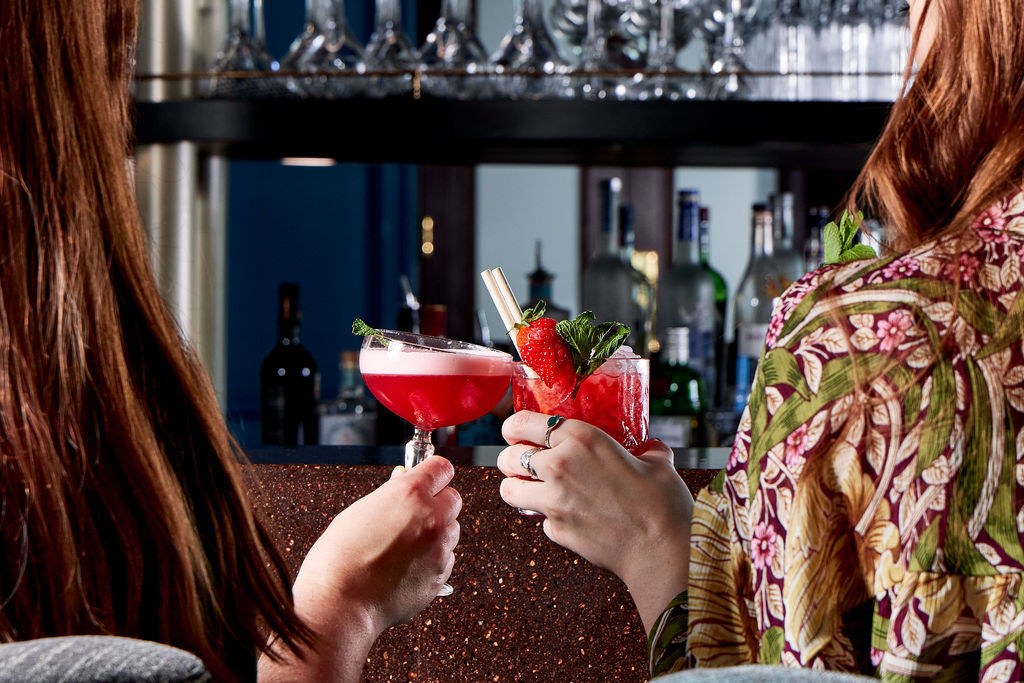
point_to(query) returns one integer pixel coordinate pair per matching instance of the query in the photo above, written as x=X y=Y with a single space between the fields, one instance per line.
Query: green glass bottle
x=678 y=398
x=721 y=304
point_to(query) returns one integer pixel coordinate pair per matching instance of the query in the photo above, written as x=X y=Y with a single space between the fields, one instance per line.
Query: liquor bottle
x=643 y=289
x=350 y=418
x=289 y=381
x=687 y=296
x=434 y=320
x=409 y=311
x=678 y=398
x=540 y=289
x=759 y=288
x=610 y=285
x=721 y=303
x=789 y=261
x=814 y=249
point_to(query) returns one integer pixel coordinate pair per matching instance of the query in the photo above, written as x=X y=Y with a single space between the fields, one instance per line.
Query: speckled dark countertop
x=524 y=609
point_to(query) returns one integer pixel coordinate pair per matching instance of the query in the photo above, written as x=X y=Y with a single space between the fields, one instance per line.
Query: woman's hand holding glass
x=628 y=513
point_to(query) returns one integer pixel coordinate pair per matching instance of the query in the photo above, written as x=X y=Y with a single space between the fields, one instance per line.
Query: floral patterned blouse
x=871 y=515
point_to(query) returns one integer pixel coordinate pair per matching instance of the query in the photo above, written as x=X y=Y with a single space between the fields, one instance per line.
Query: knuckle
x=583 y=436
x=454 y=534
x=455 y=499
x=515 y=424
x=552 y=530
x=557 y=466
x=432 y=524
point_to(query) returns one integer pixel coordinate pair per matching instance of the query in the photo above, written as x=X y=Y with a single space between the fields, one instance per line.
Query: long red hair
x=954 y=143
x=122 y=509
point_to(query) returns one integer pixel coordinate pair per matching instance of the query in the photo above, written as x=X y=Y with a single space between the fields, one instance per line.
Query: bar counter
x=524 y=609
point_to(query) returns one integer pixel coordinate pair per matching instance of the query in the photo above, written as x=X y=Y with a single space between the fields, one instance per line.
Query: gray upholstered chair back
x=98 y=659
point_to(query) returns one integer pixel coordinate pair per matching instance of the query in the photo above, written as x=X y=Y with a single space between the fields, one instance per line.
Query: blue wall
x=344 y=233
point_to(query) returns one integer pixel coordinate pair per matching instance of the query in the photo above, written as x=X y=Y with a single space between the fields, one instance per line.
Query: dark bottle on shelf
x=540 y=289
x=289 y=381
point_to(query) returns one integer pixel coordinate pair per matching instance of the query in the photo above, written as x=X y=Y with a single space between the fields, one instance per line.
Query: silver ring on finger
x=524 y=460
x=554 y=422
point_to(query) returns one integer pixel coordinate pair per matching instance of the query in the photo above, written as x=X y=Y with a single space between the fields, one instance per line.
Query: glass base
x=530 y=513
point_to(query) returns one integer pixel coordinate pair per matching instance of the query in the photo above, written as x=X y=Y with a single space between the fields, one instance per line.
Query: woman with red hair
x=122 y=511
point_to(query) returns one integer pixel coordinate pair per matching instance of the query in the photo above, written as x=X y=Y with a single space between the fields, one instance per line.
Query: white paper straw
x=506 y=292
x=508 y=319
x=499 y=301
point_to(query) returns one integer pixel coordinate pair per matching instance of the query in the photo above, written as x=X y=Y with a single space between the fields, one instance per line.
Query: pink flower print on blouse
x=906 y=266
x=964 y=268
x=774 y=327
x=893 y=330
x=993 y=236
x=762 y=545
x=796 y=445
x=992 y=219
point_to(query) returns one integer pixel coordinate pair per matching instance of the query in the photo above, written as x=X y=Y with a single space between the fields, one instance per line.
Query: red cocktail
x=431 y=389
x=615 y=398
x=431 y=382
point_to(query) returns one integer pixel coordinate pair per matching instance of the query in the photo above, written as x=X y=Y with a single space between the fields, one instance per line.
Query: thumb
x=655 y=450
x=435 y=472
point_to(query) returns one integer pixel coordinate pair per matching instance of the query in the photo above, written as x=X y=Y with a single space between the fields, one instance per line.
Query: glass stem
x=239 y=17
x=419 y=448
x=312 y=15
x=329 y=15
x=389 y=12
x=448 y=11
x=664 y=51
x=594 y=43
x=259 y=24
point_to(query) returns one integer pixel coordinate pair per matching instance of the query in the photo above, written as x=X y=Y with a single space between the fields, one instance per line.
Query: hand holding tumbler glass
x=575 y=369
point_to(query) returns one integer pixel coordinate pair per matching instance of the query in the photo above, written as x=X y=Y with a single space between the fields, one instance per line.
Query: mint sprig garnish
x=838 y=240
x=364 y=330
x=591 y=344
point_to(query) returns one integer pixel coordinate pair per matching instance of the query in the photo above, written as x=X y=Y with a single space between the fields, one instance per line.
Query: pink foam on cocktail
x=391 y=361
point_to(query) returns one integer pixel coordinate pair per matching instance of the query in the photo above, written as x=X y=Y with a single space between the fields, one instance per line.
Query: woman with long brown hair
x=871 y=515
x=121 y=506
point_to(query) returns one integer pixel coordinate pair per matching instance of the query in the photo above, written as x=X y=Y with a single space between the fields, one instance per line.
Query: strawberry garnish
x=564 y=354
x=545 y=352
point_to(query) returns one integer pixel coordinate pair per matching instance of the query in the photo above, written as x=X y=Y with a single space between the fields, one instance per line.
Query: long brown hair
x=954 y=142
x=122 y=509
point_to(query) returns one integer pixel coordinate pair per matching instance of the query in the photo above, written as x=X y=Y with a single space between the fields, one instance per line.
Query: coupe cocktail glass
x=616 y=398
x=432 y=382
